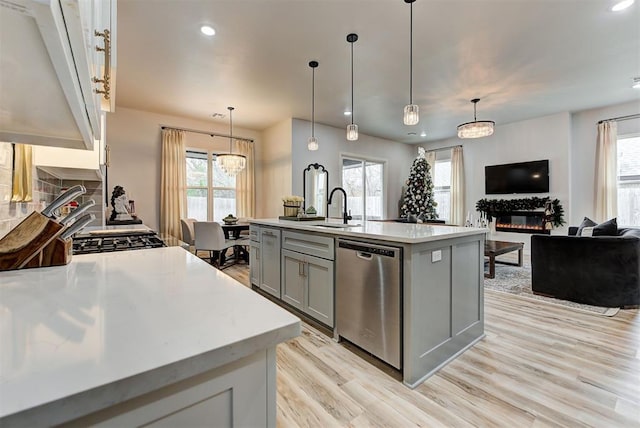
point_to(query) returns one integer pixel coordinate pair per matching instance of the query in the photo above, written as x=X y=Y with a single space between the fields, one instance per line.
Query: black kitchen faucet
x=345 y=215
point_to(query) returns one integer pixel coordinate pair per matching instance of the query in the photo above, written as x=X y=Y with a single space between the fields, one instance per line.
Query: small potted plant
x=291 y=205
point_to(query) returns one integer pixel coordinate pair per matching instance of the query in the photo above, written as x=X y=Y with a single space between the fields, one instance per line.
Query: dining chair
x=188 y=235
x=209 y=237
x=241 y=248
x=244 y=233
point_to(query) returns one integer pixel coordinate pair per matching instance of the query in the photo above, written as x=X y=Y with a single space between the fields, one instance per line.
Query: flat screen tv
x=523 y=177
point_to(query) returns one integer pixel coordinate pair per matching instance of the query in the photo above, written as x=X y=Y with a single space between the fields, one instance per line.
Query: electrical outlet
x=436 y=256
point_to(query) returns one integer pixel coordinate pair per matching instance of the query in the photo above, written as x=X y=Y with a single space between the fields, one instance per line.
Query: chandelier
x=231 y=164
x=477 y=128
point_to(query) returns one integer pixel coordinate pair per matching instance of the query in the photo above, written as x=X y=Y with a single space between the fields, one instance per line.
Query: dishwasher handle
x=364 y=256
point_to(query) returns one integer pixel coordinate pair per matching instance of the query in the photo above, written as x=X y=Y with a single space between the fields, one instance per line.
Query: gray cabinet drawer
x=254 y=233
x=313 y=245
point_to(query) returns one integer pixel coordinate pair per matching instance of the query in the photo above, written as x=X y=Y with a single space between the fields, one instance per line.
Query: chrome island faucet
x=345 y=215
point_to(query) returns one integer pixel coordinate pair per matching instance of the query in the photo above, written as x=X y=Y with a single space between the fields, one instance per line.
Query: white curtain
x=245 y=182
x=606 y=172
x=173 y=194
x=457 y=187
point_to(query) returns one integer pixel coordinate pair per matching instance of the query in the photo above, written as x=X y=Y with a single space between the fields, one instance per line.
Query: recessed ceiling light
x=622 y=5
x=423 y=134
x=636 y=83
x=218 y=115
x=347 y=113
x=411 y=133
x=208 y=31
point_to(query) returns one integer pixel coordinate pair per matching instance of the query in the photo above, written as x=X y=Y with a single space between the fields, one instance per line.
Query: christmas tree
x=418 y=198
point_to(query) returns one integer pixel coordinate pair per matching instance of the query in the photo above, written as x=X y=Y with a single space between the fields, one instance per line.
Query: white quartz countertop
x=408 y=233
x=111 y=326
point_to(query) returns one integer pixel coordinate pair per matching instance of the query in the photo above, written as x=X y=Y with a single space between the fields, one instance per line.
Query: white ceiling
x=523 y=58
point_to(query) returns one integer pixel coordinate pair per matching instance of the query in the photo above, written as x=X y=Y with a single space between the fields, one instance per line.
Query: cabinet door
x=293 y=278
x=80 y=20
x=319 y=299
x=270 y=261
x=254 y=263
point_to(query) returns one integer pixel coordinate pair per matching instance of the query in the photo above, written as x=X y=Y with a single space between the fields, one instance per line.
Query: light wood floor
x=540 y=365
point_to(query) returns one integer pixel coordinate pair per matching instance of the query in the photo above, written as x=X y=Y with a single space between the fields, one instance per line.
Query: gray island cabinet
x=442 y=299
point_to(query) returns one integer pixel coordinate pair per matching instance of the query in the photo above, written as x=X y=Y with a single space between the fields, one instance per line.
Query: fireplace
x=521 y=222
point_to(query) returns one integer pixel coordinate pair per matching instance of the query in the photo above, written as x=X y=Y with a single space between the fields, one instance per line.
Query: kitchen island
x=439 y=280
x=131 y=337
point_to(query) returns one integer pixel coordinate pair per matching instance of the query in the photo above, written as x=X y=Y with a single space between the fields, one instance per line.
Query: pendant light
x=411 y=116
x=352 y=130
x=477 y=128
x=312 y=143
x=231 y=164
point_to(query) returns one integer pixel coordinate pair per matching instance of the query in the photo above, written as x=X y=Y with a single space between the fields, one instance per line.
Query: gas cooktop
x=116 y=242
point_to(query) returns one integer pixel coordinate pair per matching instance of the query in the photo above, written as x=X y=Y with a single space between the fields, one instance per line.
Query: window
x=629 y=180
x=211 y=194
x=363 y=180
x=442 y=188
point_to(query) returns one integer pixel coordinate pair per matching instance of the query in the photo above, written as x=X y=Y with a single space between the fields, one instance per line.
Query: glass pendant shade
x=232 y=164
x=476 y=129
x=312 y=144
x=352 y=132
x=411 y=116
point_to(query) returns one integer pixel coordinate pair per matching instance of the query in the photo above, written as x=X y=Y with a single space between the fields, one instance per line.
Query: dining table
x=232 y=231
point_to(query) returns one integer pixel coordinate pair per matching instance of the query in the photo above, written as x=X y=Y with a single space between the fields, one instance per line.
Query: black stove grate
x=125 y=242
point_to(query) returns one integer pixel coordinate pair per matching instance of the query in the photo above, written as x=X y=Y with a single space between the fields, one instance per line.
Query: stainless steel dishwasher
x=368 y=298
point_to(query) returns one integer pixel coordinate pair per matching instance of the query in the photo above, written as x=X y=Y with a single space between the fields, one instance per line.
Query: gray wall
x=333 y=143
x=583 y=153
x=542 y=138
x=567 y=140
x=135 y=140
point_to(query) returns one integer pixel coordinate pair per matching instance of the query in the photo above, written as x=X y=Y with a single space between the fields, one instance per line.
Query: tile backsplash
x=45 y=189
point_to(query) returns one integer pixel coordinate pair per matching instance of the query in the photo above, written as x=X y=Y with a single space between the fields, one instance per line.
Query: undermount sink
x=335 y=225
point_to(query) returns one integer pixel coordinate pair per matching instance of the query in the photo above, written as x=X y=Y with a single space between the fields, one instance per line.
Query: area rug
x=517 y=280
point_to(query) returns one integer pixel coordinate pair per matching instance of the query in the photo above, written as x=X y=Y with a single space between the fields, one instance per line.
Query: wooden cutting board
x=27 y=240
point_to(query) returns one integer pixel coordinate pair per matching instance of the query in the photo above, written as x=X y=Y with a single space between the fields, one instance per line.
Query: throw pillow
x=587 y=231
x=587 y=222
x=608 y=228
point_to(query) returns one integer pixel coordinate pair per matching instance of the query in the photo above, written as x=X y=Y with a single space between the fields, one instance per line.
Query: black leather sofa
x=595 y=270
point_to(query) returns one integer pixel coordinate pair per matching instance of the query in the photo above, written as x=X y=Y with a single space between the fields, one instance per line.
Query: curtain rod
x=444 y=148
x=617 y=119
x=212 y=134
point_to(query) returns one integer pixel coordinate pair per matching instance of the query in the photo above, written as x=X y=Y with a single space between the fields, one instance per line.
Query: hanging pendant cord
x=230 y=128
x=475 y=119
x=411 y=55
x=313 y=98
x=352 y=113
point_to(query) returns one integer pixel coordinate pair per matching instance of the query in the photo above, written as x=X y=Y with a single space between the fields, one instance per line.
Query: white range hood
x=68 y=164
